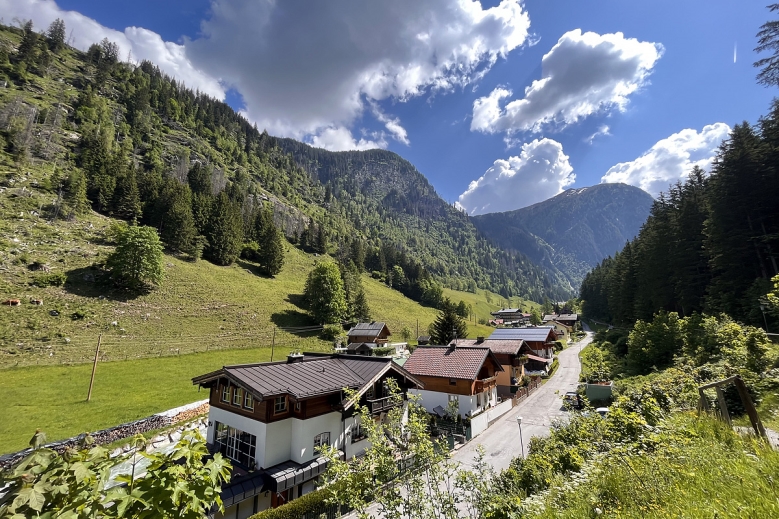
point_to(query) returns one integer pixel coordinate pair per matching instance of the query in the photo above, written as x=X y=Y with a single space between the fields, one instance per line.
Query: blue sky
x=409 y=75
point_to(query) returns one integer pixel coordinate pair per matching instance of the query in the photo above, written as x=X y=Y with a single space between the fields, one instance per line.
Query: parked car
x=573 y=399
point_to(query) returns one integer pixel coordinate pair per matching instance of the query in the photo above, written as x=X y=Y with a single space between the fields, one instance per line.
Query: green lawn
x=52 y=398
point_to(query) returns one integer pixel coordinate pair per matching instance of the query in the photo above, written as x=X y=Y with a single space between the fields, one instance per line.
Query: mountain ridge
x=581 y=226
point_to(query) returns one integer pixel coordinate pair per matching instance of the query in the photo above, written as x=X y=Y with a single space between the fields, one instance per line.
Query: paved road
x=501 y=441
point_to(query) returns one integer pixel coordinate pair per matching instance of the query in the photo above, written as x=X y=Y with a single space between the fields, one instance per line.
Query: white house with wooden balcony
x=463 y=374
x=269 y=419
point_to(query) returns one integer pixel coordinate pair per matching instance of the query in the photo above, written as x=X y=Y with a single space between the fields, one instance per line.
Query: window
x=321 y=440
x=280 y=405
x=237 y=396
x=357 y=432
x=248 y=401
x=369 y=393
x=226 y=394
x=453 y=398
x=297 y=407
x=235 y=444
x=452 y=382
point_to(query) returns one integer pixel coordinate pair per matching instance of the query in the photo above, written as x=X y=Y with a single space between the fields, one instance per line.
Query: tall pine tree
x=224 y=231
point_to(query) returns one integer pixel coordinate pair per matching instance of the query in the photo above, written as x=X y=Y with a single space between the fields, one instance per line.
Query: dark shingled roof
x=354 y=345
x=497 y=346
x=538 y=334
x=367 y=329
x=312 y=376
x=462 y=362
x=561 y=317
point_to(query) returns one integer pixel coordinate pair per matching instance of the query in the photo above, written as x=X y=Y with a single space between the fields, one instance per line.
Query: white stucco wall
x=278 y=441
x=468 y=404
x=302 y=433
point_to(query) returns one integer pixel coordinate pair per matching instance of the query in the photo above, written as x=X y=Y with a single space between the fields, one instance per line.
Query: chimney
x=479 y=340
x=294 y=357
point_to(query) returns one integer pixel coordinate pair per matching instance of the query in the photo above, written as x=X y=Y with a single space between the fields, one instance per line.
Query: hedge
x=553 y=367
x=383 y=351
x=308 y=506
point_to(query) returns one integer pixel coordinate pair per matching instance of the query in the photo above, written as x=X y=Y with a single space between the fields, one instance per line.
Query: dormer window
x=237 y=396
x=248 y=401
x=280 y=405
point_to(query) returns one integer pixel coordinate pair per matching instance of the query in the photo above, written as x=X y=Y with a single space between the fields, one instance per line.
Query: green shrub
x=56 y=279
x=311 y=503
x=383 y=351
x=331 y=332
x=553 y=368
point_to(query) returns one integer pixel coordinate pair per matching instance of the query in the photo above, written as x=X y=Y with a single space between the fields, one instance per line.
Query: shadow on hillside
x=298 y=300
x=292 y=319
x=251 y=267
x=94 y=282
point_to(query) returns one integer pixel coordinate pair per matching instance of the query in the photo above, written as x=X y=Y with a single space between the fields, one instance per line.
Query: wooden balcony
x=519 y=361
x=378 y=405
x=485 y=383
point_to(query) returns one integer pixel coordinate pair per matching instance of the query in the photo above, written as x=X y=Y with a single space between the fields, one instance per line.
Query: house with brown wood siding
x=269 y=418
x=509 y=354
x=463 y=374
x=374 y=332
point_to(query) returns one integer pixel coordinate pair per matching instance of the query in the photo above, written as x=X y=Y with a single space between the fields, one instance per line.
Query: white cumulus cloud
x=670 y=159
x=308 y=69
x=583 y=74
x=340 y=139
x=539 y=172
x=137 y=42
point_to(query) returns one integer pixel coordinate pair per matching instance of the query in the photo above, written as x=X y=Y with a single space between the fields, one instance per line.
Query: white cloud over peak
x=670 y=159
x=339 y=138
x=141 y=43
x=308 y=68
x=583 y=74
x=539 y=172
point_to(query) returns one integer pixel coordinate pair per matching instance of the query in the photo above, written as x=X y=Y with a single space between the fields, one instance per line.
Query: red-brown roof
x=498 y=346
x=462 y=362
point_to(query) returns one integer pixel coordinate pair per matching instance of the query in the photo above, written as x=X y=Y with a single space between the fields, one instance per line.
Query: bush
x=383 y=351
x=330 y=332
x=56 y=279
x=312 y=503
x=558 y=346
x=553 y=368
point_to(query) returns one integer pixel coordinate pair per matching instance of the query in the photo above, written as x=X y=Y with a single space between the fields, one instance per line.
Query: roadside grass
x=699 y=469
x=53 y=398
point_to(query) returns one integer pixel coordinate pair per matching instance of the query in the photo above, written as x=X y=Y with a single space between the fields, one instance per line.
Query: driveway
x=501 y=441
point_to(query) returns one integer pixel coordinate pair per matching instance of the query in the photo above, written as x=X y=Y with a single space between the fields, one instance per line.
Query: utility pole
x=273 y=344
x=94 y=367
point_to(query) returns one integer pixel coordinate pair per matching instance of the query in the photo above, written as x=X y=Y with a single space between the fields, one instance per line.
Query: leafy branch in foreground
x=404 y=473
x=77 y=483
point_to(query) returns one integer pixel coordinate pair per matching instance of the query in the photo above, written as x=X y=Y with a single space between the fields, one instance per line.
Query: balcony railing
x=378 y=405
x=485 y=384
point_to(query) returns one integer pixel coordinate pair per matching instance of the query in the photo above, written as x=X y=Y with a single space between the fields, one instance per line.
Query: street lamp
x=521 y=443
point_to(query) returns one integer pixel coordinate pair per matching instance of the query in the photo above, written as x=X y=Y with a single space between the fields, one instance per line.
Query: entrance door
x=278 y=498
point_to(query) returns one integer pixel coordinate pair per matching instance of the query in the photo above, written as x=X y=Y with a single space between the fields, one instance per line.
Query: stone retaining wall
x=119 y=432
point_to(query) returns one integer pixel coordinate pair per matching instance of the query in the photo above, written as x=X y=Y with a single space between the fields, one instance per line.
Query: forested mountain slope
x=388 y=201
x=130 y=142
x=710 y=244
x=577 y=228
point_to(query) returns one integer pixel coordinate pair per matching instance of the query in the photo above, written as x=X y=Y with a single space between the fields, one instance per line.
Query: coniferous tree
x=361 y=311
x=224 y=232
x=270 y=253
x=127 y=200
x=28 y=47
x=448 y=325
x=55 y=36
x=176 y=224
x=76 y=194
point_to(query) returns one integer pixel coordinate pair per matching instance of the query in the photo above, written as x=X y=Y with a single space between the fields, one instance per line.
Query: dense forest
x=127 y=141
x=710 y=244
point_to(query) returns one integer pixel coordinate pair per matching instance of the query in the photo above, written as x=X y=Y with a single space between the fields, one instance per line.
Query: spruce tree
x=127 y=200
x=224 y=232
x=26 y=52
x=271 y=251
x=361 y=311
x=177 y=226
x=76 y=194
x=55 y=35
x=448 y=325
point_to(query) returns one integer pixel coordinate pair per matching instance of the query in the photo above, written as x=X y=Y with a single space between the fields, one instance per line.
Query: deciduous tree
x=138 y=258
x=325 y=293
